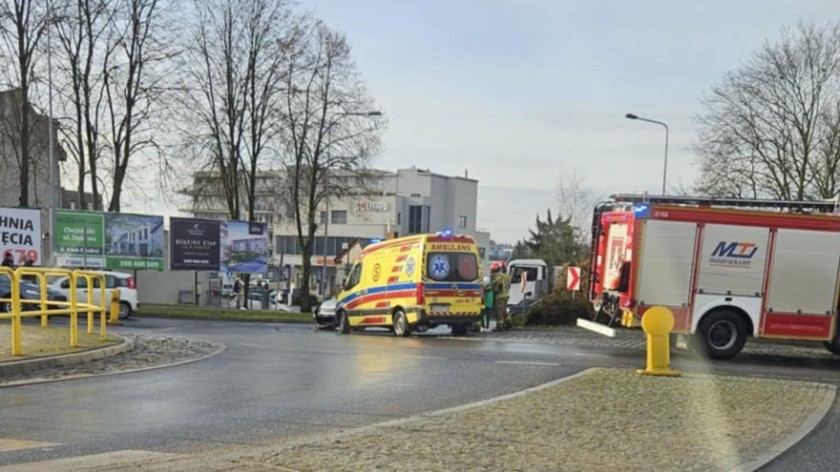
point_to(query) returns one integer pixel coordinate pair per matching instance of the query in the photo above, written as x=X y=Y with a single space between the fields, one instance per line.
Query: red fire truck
x=727 y=268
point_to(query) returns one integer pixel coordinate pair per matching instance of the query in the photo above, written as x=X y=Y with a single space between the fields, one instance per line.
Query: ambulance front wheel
x=344 y=323
x=401 y=327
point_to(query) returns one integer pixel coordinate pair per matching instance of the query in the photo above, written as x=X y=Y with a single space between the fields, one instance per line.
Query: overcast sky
x=519 y=92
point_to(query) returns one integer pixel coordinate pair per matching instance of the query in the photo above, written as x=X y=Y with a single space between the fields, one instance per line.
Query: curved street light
x=665 y=167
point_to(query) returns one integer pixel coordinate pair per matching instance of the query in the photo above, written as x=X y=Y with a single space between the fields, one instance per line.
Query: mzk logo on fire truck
x=735 y=254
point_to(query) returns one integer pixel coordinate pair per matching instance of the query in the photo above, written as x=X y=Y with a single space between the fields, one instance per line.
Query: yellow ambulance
x=413 y=283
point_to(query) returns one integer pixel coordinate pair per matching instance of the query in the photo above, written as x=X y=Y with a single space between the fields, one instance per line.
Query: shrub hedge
x=558 y=308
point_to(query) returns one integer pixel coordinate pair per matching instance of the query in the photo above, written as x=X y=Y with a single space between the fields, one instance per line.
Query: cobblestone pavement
x=148 y=352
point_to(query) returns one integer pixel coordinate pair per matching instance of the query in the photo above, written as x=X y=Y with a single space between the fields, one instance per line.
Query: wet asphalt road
x=273 y=381
x=280 y=381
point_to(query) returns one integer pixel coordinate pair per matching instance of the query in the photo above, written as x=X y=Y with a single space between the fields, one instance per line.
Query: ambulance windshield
x=452 y=266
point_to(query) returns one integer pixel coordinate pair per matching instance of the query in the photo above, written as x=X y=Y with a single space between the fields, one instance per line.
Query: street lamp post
x=665 y=167
x=53 y=177
x=323 y=284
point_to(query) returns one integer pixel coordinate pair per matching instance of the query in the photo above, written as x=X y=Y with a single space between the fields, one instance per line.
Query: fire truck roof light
x=641 y=210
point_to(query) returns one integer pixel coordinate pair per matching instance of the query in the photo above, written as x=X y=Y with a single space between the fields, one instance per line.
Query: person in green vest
x=489 y=298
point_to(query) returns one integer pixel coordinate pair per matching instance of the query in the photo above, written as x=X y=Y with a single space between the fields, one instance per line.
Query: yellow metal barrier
x=41 y=278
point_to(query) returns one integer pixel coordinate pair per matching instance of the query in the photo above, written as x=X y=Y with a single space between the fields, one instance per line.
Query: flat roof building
x=372 y=206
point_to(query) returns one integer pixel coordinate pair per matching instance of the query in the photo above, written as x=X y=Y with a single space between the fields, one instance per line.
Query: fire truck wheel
x=401 y=327
x=833 y=346
x=344 y=323
x=722 y=334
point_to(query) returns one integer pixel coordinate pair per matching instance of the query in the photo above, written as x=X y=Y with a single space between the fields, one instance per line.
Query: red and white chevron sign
x=573 y=279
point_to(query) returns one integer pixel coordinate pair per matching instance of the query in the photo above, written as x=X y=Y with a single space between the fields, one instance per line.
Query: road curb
x=52 y=362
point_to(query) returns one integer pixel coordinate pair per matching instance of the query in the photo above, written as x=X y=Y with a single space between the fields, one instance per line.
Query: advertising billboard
x=108 y=240
x=225 y=246
x=20 y=234
x=244 y=247
x=194 y=244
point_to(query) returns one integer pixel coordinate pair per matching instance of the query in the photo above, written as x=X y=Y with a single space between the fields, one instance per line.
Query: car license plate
x=443 y=308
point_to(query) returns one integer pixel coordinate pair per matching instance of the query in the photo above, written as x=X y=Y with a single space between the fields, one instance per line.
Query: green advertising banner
x=108 y=240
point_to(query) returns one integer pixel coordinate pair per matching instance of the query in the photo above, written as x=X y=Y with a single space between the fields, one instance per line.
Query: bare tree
x=269 y=36
x=237 y=61
x=771 y=128
x=328 y=127
x=234 y=69
x=135 y=84
x=23 y=24
x=82 y=27
x=575 y=204
x=215 y=93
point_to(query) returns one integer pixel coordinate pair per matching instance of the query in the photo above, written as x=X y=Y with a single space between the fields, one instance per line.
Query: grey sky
x=519 y=92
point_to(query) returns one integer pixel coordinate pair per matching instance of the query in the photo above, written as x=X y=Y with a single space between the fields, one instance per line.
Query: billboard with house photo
x=108 y=240
x=133 y=241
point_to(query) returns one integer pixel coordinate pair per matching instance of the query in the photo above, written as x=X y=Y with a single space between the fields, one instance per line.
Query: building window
x=462 y=222
x=323 y=217
x=287 y=245
x=418 y=219
x=338 y=217
x=399 y=218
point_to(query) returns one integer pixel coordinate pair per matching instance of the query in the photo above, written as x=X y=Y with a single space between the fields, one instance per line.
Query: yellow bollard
x=115 y=306
x=658 y=323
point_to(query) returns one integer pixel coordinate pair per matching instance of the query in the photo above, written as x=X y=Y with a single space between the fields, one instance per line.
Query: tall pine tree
x=553 y=240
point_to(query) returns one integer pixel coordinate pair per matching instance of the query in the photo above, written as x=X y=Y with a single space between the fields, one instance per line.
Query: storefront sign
x=372 y=206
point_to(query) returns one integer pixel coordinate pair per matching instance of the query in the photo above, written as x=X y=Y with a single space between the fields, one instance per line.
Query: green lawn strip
x=215 y=313
x=38 y=342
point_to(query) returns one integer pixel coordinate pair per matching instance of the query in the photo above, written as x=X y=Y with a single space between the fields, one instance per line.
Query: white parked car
x=124 y=282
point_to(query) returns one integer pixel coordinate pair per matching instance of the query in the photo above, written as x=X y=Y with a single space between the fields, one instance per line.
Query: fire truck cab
x=727 y=268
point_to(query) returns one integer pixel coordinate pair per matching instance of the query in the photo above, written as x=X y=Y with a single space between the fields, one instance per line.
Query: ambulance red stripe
x=381 y=296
